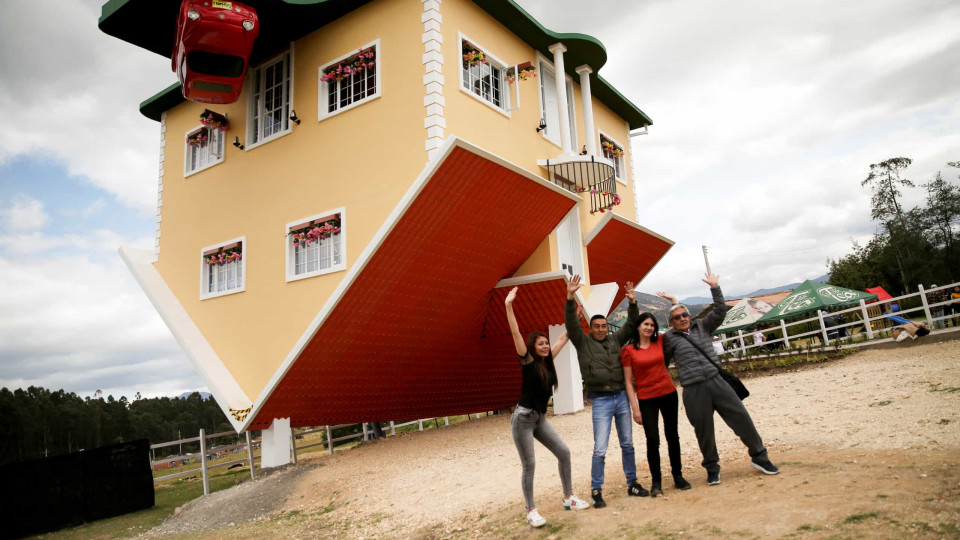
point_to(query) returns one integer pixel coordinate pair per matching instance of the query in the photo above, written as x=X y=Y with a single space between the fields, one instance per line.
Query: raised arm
x=673 y=299
x=633 y=314
x=570 y=318
x=561 y=342
x=512 y=321
x=714 y=319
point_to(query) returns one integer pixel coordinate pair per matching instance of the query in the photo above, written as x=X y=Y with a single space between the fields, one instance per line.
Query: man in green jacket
x=599 y=356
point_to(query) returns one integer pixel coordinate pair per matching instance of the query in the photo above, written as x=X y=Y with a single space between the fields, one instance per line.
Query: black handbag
x=731 y=379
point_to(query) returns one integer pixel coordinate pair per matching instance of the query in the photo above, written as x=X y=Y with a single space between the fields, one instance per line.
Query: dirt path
x=869 y=446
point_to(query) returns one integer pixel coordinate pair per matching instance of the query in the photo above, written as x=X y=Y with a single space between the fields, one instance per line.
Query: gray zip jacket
x=692 y=367
x=600 y=360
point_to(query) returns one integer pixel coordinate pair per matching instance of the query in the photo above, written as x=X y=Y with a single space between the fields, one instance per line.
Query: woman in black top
x=529 y=421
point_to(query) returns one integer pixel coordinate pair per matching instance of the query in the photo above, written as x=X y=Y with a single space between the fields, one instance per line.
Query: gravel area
x=853 y=423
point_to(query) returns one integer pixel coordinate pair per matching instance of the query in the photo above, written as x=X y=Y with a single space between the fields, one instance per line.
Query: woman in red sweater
x=651 y=393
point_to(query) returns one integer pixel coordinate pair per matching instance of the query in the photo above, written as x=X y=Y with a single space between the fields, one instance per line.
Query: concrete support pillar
x=276 y=444
x=560 y=80
x=587 y=99
x=568 y=398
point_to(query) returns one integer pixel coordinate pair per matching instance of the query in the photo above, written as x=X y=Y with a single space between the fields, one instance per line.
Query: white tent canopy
x=743 y=315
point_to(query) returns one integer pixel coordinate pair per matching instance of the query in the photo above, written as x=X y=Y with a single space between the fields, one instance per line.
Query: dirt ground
x=868 y=446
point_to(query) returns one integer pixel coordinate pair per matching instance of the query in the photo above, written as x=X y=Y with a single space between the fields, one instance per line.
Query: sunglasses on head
x=679 y=316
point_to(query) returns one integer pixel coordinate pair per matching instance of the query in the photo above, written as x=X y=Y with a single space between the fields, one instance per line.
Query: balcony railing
x=588 y=176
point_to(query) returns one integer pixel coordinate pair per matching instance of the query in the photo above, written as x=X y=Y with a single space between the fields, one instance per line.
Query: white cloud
x=24 y=214
x=73 y=100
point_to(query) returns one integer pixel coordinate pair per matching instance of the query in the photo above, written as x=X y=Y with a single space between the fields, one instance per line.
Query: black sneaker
x=656 y=489
x=680 y=482
x=636 y=490
x=713 y=478
x=597 y=496
x=764 y=466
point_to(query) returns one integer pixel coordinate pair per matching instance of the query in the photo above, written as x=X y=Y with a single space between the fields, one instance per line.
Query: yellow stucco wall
x=514 y=137
x=362 y=160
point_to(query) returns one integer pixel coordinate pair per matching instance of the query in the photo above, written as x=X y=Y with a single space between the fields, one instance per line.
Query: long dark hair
x=545 y=367
x=633 y=336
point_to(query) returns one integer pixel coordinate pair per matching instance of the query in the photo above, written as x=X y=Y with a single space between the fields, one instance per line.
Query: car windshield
x=219 y=65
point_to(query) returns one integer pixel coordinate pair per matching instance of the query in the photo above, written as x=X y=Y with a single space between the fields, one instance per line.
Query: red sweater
x=650 y=376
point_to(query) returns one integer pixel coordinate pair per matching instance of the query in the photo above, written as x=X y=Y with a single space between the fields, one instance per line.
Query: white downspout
x=587 y=99
x=560 y=78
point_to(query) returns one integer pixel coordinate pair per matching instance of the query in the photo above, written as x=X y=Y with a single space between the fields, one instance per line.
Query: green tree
x=885 y=181
x=940 y=215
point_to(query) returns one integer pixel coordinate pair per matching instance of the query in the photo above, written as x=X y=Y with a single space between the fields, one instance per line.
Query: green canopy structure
x=811 y=296
x=743 y=315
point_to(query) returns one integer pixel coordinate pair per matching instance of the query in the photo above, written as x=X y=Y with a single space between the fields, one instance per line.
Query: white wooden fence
x=934 y=313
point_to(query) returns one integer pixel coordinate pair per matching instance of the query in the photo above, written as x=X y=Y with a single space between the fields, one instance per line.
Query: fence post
x=446 y=420
x=743 y=348
x=866 y=319
x=823 y=329
x=420 y=424
x=926 y=306
x=393 y=428
x=293 y=446
x=250 y=455
x=365 y=434
x=786 y=340
x=329 y=440
x=203 y=462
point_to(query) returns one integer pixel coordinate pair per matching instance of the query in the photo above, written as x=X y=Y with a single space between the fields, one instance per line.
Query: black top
x=534 y=394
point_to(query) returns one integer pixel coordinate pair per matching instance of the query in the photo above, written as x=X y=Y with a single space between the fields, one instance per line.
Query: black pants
x=650 y=411
x=701 y=400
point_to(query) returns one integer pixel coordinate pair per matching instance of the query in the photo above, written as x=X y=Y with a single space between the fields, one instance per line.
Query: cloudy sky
x=766 y=117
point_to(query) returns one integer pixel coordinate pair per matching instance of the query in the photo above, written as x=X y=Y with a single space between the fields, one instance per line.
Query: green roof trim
x=123 y=19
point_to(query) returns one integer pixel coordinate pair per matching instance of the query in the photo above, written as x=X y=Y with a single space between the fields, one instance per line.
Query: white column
x=276 y=444
x=560 y=78
x=568 y=398
x=587 y=99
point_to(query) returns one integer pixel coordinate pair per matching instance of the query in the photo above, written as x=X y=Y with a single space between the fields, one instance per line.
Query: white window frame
x=504 y=107
x=206 y=269
x=188 y=149
x=572 y=217
x=324 y=87
x=290 y=252
x=619 y=163
x=571 y=105
x=252 y=92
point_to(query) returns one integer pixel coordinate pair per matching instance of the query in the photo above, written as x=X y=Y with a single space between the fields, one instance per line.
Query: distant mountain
x=706 y=300
x=648 y=302
x=204 y=395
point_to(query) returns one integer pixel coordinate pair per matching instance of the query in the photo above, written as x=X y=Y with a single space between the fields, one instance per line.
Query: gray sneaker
x=713 y=478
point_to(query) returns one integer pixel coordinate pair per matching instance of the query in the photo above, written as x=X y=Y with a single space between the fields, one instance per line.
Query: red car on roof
x=212 y=49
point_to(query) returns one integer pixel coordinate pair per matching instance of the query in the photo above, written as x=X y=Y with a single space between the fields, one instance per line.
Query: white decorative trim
x=531 y=278
x=163 y=144
x=218 y=378
x=288 y=250
x=204 y=295
x=610 y=215
x=433 y=80
x=324 y=87
x=633 y=182
x=395 y=216
x=496 y=62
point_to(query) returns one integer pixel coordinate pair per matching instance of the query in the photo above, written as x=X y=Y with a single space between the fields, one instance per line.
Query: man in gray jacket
x=599 y=356
x=704 y=390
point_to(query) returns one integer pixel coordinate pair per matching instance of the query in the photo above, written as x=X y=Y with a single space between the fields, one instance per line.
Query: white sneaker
x=535 y=519
x=575 y=503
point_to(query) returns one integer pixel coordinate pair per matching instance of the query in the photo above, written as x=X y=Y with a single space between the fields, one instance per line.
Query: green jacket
x=599 y=360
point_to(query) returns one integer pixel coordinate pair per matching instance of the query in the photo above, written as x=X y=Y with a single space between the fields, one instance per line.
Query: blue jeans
x=609 y=406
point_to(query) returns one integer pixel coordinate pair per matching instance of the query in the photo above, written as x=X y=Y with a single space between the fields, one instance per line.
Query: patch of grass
x=922 y=525
x=553 y=528
x=860 y=518
x=944 y=421
x=883 y=403
x=881 y=496
x=808 y=527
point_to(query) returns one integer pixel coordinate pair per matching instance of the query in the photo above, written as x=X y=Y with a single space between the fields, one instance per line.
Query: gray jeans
x=525 y=426
x=700 y=400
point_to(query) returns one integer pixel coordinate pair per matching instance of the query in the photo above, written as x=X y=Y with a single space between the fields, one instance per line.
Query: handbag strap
x=697 y=346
